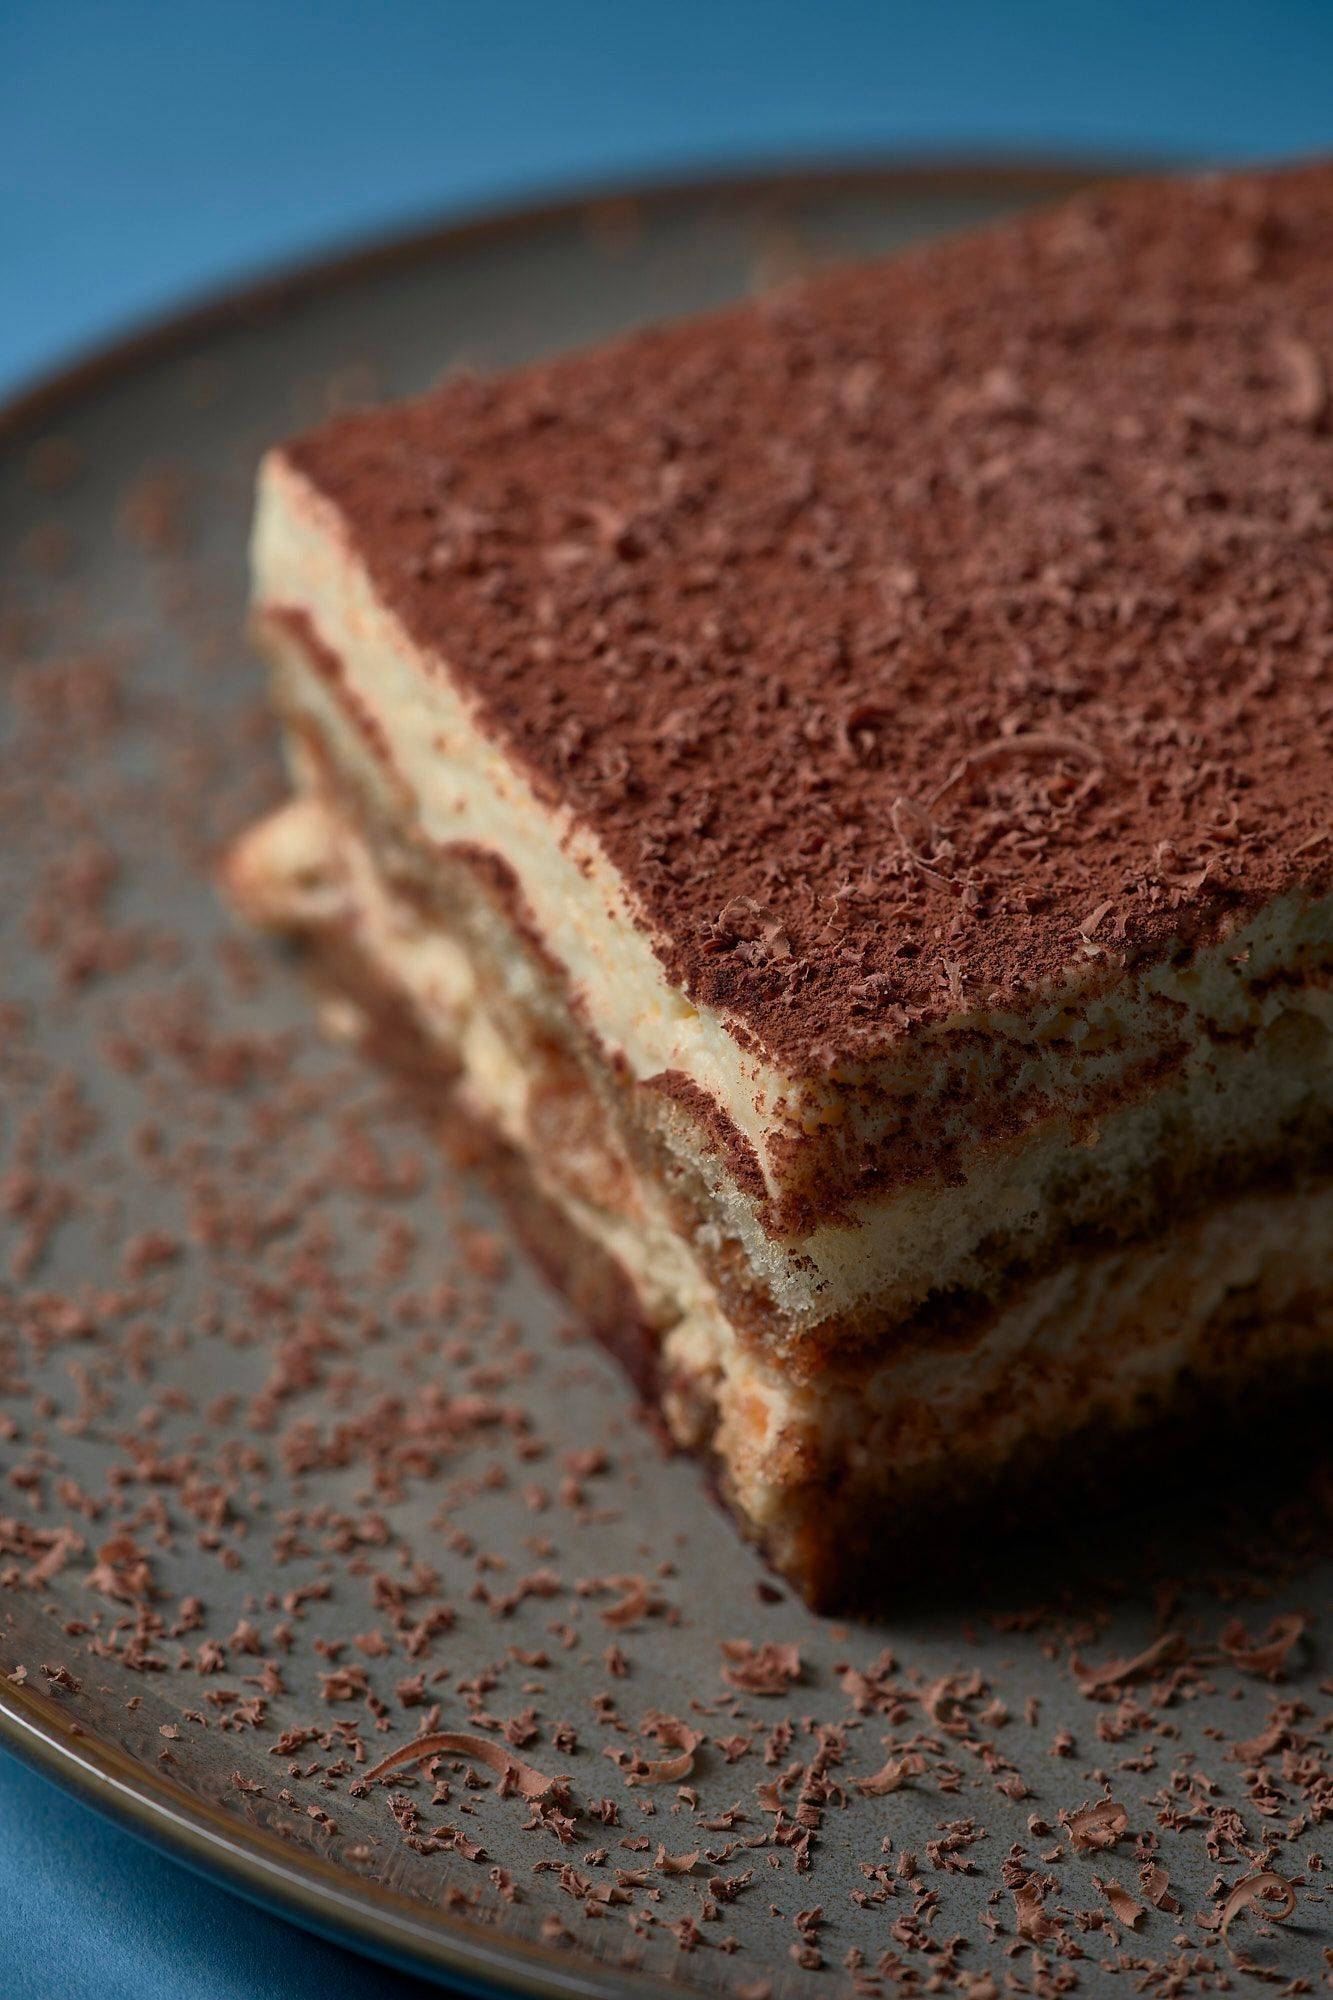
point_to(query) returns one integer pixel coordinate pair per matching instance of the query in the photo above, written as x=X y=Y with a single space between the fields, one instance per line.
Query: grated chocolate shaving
x=1266 y=1889
x=515 y=1775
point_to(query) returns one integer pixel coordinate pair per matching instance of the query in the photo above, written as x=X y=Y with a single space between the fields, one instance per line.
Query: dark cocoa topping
x=918 y=636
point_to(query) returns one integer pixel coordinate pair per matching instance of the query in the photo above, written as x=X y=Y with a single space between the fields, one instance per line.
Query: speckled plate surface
x=297 y=1455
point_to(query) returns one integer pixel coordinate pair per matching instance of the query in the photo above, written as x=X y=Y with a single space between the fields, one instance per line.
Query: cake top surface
x=915 y=637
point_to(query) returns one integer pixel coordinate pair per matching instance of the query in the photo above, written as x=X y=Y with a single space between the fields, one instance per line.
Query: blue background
x=150 y=152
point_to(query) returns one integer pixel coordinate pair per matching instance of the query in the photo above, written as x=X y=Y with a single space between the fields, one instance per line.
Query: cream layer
x=1101 y=1340
x=459 y=785
x=1261 y=1053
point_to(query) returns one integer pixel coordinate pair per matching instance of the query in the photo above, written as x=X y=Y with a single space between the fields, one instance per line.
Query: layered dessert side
x=840 y=792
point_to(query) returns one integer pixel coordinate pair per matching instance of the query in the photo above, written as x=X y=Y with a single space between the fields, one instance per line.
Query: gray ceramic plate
x=225 y=1243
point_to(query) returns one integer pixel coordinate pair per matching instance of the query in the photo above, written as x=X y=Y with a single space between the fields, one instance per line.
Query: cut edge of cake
x=862 y=1281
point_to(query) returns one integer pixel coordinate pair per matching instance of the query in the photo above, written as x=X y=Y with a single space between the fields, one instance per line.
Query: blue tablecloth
x=149 y=151
x=90 y=1913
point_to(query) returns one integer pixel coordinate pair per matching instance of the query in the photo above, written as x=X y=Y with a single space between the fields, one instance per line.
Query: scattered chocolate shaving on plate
x=514 y=1774
x=1270 y=1892
x=672 y=1734
x=891 y=1775
x=766 y=1669
x=1128 y=1909
x=1115 y=1673
x=1092 y=1829
x=1267 y=1656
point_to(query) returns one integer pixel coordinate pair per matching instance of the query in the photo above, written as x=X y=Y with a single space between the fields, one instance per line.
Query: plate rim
x=181 y=1824
x=148 y=338
x=376 y=1921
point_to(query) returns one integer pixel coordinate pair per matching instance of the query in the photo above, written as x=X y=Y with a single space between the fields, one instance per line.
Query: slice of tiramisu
x=844 y=786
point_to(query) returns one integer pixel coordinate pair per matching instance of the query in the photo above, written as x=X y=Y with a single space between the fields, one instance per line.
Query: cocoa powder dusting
x=919 y=635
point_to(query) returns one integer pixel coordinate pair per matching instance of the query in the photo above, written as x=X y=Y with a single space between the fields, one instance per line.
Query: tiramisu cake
x=843 y=786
